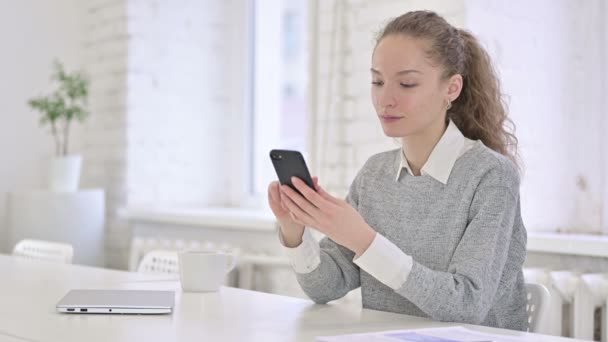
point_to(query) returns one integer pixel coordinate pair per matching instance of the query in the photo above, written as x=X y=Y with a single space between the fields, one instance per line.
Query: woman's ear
x=454 y=86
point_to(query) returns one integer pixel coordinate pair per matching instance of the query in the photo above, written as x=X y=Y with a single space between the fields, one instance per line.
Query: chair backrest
x=537 y=306
x=44 y=250
x=159 y=261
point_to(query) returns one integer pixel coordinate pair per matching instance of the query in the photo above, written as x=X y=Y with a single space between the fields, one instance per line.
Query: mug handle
x=231 y=262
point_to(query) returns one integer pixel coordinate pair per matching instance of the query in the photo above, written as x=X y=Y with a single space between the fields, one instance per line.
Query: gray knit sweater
x=466 y=238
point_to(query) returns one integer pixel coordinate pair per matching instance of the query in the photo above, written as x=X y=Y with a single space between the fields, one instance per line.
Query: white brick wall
x=165 y=99
x=179 y=102
x=548 y=54
x=549 y=67
x=105 y=141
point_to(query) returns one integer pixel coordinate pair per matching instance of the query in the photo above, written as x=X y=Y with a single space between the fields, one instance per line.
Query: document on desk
x=451 y=334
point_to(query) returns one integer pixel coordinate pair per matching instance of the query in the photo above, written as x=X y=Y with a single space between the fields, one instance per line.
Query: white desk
x=30 y=289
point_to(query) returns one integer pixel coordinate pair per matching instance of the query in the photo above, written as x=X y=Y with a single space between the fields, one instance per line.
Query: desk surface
x=30 y=289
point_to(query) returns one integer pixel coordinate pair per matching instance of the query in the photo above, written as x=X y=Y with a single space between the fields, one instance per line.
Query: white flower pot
x=64 y=173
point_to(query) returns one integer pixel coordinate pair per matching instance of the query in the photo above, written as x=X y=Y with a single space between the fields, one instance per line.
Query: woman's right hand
x=291 y=231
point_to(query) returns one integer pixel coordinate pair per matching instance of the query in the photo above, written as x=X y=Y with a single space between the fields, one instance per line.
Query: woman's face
x=408 y=92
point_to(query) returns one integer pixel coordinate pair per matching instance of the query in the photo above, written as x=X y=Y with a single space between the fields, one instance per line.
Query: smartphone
x=289 y=164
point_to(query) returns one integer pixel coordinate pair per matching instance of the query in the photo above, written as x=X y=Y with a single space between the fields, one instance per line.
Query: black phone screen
x=289 y=164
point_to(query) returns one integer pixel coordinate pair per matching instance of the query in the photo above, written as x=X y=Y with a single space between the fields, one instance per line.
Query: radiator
x=575 y=300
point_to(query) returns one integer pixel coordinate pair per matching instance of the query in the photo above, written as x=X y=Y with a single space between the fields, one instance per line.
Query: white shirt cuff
x=385 y=262
x=305 y=257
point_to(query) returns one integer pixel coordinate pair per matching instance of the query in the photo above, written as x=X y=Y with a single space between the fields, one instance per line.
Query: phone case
x=289 y=164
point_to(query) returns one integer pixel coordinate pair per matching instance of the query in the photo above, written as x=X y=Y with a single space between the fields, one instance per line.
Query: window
x=277 y=103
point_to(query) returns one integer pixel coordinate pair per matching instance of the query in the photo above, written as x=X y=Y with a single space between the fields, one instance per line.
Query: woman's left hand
x=329 y=215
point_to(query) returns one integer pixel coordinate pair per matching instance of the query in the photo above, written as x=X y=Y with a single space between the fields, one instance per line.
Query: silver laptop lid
x=117 y=301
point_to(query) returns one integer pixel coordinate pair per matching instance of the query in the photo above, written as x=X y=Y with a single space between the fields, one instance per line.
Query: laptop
x=117 y=302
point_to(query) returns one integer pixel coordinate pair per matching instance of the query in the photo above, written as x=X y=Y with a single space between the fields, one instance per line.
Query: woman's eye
x=377 y=83
x=408 y=85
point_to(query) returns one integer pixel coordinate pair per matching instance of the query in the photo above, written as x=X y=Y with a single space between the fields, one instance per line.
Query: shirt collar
x=442 y=158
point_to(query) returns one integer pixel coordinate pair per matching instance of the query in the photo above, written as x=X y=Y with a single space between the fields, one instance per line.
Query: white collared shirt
x=306 y=257
x=439 y=165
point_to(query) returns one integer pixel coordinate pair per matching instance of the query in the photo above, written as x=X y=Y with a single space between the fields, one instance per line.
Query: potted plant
x=67 y=102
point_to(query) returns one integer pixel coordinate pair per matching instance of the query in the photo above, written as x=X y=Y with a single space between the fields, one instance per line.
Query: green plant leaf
x=67 y=102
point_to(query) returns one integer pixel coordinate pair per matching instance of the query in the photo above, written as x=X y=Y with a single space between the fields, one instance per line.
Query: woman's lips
x=390 y=118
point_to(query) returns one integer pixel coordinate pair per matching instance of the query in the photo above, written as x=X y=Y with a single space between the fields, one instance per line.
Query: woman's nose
x=387 y=99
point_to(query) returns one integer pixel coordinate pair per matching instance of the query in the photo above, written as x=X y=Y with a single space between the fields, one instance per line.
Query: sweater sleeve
x=465 y=292
x=335 y=274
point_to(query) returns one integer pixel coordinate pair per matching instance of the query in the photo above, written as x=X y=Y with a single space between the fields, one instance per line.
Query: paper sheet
x=452 y=334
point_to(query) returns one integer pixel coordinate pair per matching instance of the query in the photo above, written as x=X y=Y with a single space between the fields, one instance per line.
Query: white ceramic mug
x=204 y=270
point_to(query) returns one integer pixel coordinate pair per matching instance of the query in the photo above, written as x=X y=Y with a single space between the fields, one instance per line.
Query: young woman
x=434 y=228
